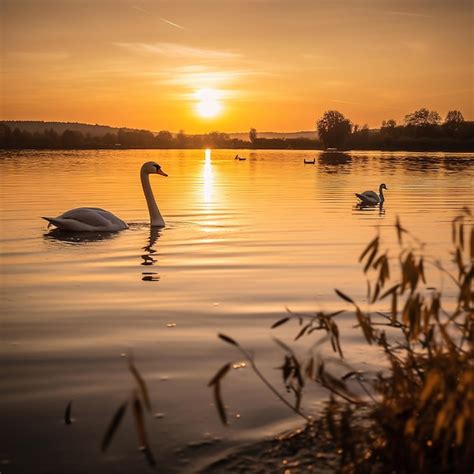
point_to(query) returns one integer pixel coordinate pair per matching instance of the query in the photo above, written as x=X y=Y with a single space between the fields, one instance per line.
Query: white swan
x=94 y=219
x=371 y=197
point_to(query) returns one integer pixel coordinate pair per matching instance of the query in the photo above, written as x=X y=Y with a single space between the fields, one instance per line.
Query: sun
x=208 y=104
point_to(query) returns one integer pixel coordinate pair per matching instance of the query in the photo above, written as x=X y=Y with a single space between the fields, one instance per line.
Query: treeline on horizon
x=421 y=130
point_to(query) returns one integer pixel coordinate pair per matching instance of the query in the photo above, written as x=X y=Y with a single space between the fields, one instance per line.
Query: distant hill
x=33 y=126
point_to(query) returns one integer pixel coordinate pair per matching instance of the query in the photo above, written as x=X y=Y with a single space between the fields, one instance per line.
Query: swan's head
x=382 y=186
x=150 y=167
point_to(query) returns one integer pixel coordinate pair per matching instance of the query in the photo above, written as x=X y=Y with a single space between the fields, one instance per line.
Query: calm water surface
x=244 y=240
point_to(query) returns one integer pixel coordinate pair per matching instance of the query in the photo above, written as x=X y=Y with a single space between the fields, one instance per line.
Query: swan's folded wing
x=112 y=218
x=88 y=216
x=370 y=195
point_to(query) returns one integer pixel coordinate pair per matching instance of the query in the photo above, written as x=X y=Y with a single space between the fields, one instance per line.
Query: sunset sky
x=229 y=65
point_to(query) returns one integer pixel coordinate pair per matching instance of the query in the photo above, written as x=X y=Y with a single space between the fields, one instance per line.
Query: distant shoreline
x=384 y=150
x=421 y=136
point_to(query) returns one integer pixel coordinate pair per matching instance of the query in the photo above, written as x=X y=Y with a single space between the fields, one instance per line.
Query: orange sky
x=274 y=64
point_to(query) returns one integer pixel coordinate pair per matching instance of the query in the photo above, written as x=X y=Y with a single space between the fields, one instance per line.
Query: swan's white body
x=87 y=219
x=94 y=219
x=371 y=197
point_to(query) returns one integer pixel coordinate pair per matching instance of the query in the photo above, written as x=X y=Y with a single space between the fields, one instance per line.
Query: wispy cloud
x=203 y=76
x=349 y=102
x=175 y=50
x=173 y=24
x=139 y=9
x=229 y=83
x=169 y=22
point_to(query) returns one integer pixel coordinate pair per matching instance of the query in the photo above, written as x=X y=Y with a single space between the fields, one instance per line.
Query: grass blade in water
x=113 y=426
x=67 y=414
x=141 y=432
x=228 y=339
x=344 y=297
x=219 y=374
x=141 y=384
x=280 y=322
x=219 y=403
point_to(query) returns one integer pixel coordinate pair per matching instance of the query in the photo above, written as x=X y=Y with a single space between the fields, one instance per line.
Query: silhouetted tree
x=422 y=117
x=389 y=124
x=164 y=139
x=333 y=128
x=389 y=129
x=454 y=123
x=181 y=139
x=253 y=136
x=454 y=117
x=216 y=139
x=109 y=139
x=5 y=134
x=72 y=139
x=135 y=138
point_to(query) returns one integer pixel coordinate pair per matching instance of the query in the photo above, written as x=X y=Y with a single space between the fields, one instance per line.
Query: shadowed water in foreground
x=244 y=240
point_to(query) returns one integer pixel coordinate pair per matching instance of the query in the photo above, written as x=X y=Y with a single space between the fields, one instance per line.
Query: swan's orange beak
x=159 y=171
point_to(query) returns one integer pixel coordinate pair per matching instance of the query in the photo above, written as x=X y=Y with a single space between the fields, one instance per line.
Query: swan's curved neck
x=156 y=219
x=382 y=199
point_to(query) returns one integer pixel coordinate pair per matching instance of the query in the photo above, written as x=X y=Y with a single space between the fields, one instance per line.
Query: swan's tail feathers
x=51 y=221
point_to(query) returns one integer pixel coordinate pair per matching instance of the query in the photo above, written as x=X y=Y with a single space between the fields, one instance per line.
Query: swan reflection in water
x=369 y=208
x=83 y=238
x=148 y=258
x=77 y=238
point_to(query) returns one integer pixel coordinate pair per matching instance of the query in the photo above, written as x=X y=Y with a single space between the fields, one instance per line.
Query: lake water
x=244 y=240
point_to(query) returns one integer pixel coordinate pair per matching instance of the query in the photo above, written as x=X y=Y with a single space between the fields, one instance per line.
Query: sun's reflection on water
x=208 y=176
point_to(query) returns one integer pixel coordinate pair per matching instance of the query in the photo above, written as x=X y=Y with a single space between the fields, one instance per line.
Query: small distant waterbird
x=240 y=158
x=371 y=198
x=309 y=162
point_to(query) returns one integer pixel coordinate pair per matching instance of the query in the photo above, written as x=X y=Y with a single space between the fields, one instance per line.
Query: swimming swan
x=371 y=197
x=94 y=219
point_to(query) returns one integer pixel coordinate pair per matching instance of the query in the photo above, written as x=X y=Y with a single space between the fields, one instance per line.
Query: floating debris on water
x=239 y=365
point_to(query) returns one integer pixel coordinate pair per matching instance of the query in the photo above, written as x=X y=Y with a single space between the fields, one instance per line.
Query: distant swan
x=94 y=219
x=310 y=162
x=371 y=197
x=240 y=158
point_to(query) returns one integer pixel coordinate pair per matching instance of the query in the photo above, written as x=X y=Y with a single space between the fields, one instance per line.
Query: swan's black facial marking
x=159 y=170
